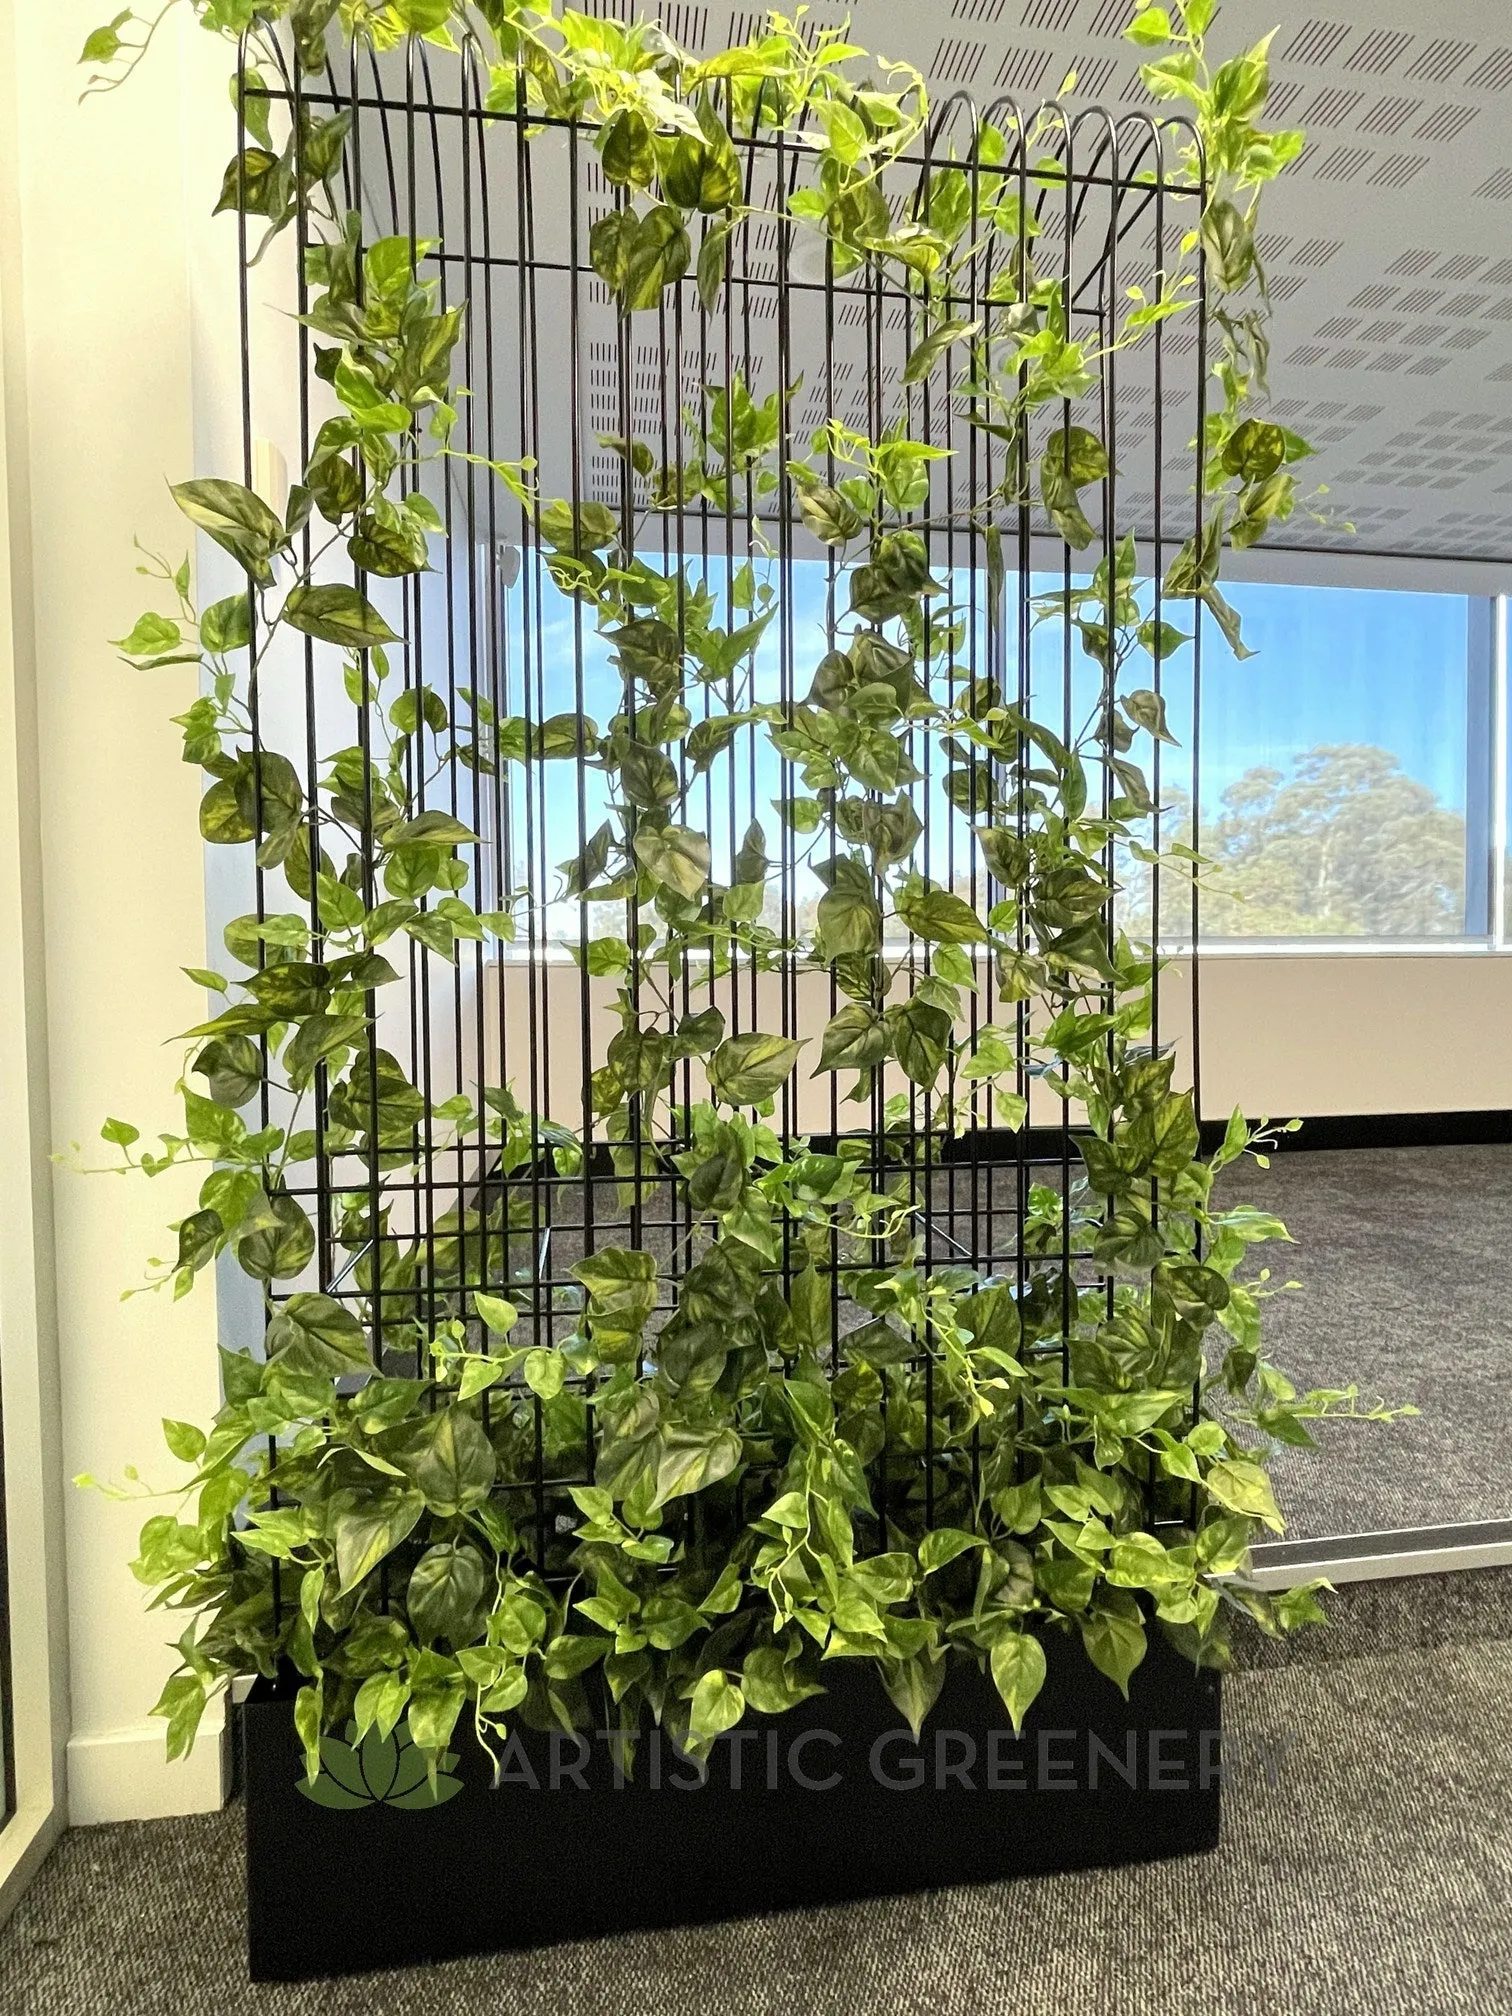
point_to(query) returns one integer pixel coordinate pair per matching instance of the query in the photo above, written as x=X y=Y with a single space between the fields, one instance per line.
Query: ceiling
x=1389 y=243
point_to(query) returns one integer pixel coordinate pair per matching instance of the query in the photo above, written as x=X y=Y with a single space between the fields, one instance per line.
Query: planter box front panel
x=833 y=1801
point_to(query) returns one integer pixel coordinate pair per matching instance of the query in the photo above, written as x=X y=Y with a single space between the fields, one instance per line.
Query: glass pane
x=1337 y=798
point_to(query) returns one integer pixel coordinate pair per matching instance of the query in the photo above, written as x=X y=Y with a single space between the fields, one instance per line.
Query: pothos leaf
x=745 y=1070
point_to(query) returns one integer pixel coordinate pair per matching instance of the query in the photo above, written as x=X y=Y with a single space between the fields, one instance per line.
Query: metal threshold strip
x=1372 y=1557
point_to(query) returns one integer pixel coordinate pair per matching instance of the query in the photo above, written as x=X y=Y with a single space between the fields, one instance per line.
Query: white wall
x=101 y=200
x=1402 y=1033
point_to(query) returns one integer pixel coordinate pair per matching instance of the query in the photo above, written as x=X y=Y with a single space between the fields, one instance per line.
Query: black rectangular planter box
x=831 y=1802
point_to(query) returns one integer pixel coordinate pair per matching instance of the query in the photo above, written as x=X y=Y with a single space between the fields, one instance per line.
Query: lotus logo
x=379 y=1771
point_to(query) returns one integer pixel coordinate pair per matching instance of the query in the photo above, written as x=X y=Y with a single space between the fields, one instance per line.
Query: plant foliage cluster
x=1077 y=1445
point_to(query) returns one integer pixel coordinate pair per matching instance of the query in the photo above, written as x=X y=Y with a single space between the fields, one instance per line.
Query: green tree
x=1347 y=845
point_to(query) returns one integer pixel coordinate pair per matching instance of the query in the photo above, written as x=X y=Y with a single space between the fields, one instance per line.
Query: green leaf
x=936 y=915
x=747 y=1070
x=236 y=519
x=690 y=1458
x=942 y=1546
x=855 y=1039
x=368 y=1532
x=447 y=1456
x=772 y=1683
x=336 y=614
x=832 y=520
x=1073 y=458
x=1147 y=710
x=438 y=1691
x=676 y=856
x=280 y=1245
x=446 y=1593
x=711 y=265
x=499 y=1315
x=1115 y=1643
x=913 y=1687
x=1149 y=29
x=1018 y=1673
x=184 y=1440
x=1244 y=1487
x=151 y=637
x=545 y=1371
x=718 y=1704
x=920 y=1039
x=848 y=915
x=928 y=353
x=315 y=1335
x=103 y=45
x=227 y=625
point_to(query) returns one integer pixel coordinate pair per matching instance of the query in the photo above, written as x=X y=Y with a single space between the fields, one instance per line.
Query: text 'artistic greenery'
x=1078 y=1443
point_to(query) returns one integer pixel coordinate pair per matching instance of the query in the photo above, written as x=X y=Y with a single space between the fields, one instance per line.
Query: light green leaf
x=747 y=1070
x=1115 y=1643
x=928 y=353
x=718 y=1704
x=677 y=856
x=1018 y=1673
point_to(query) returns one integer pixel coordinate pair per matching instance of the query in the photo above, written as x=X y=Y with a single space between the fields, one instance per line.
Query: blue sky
x=1331 y=665
x=1339 y=665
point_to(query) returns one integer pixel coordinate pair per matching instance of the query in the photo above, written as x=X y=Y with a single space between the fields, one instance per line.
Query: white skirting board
x=124 y=1774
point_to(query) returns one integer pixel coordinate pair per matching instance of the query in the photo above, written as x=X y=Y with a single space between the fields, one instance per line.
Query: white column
x=104 y=197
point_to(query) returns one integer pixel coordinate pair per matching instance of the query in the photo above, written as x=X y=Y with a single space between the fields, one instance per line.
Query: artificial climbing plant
x=1095 y=1456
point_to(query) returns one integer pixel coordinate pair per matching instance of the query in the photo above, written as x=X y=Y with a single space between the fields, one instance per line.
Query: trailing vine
x=343 y=1515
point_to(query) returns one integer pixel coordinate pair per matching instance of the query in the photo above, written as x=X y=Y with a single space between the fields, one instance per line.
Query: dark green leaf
x=336 y=614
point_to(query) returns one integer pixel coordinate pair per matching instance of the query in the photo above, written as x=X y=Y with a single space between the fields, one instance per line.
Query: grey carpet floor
x=1366 y=1864
x=1405 y=1261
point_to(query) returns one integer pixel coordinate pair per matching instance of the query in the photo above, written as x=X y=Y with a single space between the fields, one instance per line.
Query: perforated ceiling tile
x=1397 y=170
x=1440 y=60
x=1110 y=17
x=1051 y=16
x=1329 y=107
x=1493 y=73
x=1400 y=204
x=1446 y=122
x=1377 y=50
x=688 y=26
x=1316 y=41
x=956 y=60
x=1094 y=76
x=1389 y=115
x=1343 y=164
x=1023 y=69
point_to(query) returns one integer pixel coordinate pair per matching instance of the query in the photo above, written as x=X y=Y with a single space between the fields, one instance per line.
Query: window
x=1345 y=777
x=1346 y=769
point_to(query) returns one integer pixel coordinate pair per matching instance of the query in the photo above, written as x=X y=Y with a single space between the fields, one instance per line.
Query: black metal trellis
x=499 y=206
